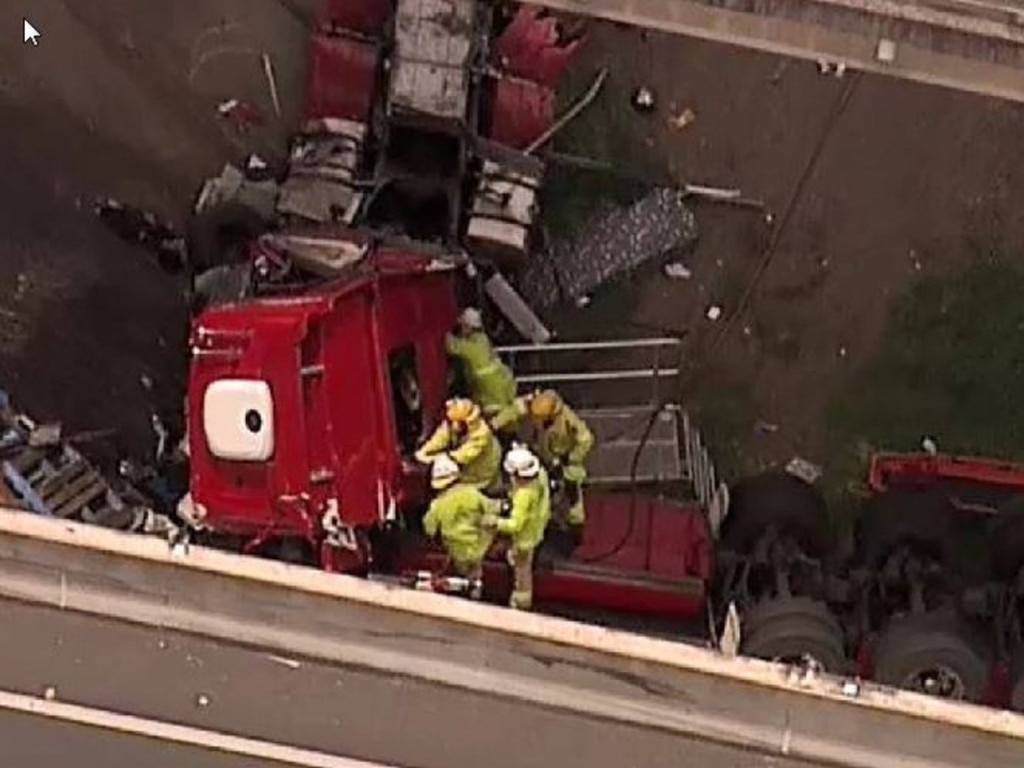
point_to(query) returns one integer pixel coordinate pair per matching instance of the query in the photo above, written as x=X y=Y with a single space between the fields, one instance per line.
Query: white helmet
x=521 y=462
x=443 y=472
x=471 y=319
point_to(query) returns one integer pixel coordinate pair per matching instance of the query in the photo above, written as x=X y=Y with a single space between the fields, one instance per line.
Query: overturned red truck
x=308 y=396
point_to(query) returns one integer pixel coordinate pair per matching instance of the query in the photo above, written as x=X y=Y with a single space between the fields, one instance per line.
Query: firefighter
x=530 y=500
x=458 y=512
x=488 y=379
x=467 y=439
x=563 y=441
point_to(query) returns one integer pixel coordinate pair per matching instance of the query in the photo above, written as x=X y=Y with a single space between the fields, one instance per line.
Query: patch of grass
x=951 y=366
x=725 y=411
x=607 y=131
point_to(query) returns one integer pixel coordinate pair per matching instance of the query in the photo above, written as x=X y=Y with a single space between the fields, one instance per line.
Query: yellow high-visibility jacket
x=568 y=441
x=458 y=512
x=531 y=511
x=492 y=385
x=478 y=452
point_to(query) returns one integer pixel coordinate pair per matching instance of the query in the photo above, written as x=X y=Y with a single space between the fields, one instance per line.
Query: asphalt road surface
x=26 y=740
x=174 y=678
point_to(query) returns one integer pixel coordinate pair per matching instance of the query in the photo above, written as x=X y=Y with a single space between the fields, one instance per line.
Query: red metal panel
x=529 y=48
x=645 y=535
x=902 y=468
x=364 y=16
x=242 y=497
x=342 y=78
x=360 y=441
x=521 y=112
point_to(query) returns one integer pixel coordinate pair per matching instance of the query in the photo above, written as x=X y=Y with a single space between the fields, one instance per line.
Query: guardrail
x=969 y=45
x=655 y=372
x=579 y=669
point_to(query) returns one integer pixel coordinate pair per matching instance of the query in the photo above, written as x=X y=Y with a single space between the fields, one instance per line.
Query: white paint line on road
x=180 y=734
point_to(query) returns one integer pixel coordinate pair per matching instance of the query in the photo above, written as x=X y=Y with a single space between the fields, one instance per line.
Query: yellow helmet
x=461 y=410
x=545 y=405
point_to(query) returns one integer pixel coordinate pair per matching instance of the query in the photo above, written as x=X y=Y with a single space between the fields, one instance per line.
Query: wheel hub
x=938 y=681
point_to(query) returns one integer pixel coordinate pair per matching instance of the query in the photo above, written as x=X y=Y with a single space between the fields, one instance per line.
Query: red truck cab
x=303 y=409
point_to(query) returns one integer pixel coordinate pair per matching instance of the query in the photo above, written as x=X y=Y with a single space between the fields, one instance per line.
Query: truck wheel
x=777 y=499
x=920 y=519
x=937 y=653
x=1006 y=543
x=789 y=628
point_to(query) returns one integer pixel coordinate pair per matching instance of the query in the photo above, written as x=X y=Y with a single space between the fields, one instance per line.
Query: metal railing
x=656 y=372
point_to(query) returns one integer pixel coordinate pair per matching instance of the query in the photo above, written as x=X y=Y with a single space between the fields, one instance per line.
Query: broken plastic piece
x=676 y=270
x=804 y=469
x=714 y=312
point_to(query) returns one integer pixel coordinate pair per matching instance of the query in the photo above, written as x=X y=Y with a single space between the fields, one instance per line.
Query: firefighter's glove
x=574 y=473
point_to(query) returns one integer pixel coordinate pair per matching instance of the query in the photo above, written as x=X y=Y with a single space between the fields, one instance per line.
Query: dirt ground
x=119 y=98
x=911 y=182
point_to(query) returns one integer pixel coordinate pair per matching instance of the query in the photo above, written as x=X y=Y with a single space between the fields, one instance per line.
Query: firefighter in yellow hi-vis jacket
x=467 y=439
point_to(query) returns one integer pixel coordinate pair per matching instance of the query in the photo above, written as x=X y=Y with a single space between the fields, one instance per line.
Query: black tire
x=790 y=628
x=917 y=518
x=1006 y=542
x=777 y=499
x=940 y=646
x=217 y=235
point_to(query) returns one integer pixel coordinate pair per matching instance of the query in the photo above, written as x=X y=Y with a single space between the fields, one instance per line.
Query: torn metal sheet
x=516 y=310
x=615 y=243
x=232 y=185
x=433 y=44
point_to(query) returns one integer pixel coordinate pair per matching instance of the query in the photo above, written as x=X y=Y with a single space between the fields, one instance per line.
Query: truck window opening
x=405 y=393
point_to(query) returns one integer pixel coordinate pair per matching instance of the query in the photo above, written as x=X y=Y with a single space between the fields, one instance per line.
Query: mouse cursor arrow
x=31 y=33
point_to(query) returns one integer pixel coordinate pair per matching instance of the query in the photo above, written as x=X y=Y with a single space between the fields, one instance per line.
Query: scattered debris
x=643 y=100
x=842 y=351
x=255 y=163
x=285 y=662
x=765 y=428
x=141 y=227
x=583 y=301
x=50 y=693
x=268 y=70
x=241 y=114
x=161 y=644
x=203 y=700
x=804 y=469
x=851 y=688
x=45 y=435
x=929 y=446
x=714 y=312
x=886 y=51
x=676 y=270
x=729 y=644
x=683 y=119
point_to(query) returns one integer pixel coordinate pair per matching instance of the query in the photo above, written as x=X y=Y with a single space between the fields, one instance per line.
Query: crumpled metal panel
x=342 y=77
x=616 y=243
x=529 y=48
x=521 y=112
x=366 y=17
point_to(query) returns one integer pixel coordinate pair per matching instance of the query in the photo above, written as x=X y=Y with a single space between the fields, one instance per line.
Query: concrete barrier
x=582 y=669
x=967 y=45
